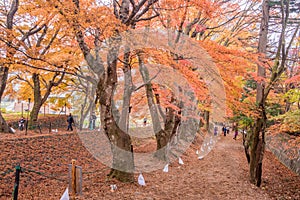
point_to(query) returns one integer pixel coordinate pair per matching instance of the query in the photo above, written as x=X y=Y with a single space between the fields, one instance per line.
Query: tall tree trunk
x=83 y=110
x=3 y=78
x=124 y=118
x=91 y=108
x=121 y=145
x=84 y=113
x=88 y=103
x=4 y=127
x=37 y=101
x=246 y=145
x=257 y=149
x=122 y=150
x=287 y=106
x=257 y=139
x=163 y=136
x=9 y=55
x=123 y=165
x=264 y=88
x=150 y=96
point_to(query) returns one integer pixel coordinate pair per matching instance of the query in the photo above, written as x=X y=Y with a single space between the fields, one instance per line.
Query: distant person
x=215 y=131
x=235 y=133
x=22 y=124
x=145 y=121
x=70 y=121
x=224 y=130
x=227 y=130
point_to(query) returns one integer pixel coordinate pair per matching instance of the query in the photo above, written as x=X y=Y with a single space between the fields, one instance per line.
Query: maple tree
x=276 y=73
x=107 y=76
x=208 y=15
x=255 y=143
x=156 y=96
x=44 y=55
x=11 y=42
x=38 y=88
x=9 y=53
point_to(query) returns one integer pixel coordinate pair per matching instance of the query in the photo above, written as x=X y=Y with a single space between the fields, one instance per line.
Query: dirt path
x=220 y=175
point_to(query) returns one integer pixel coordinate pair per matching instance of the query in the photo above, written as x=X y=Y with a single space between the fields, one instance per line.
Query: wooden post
x=50 y=127
x=73 y=180
x=22 y=108
x=27 y=116
x=17 y=180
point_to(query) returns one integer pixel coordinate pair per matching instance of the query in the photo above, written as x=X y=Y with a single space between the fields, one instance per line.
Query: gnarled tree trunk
x=128 y=89
x=163 y=136
x=123 y=164
x=37 y=103
x=257 y=139
x=257 y=149
x=121 y=145
x=39 y=100
x=3 y=78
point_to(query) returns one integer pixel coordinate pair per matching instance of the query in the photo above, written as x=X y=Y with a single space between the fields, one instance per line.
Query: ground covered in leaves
x=222 y=174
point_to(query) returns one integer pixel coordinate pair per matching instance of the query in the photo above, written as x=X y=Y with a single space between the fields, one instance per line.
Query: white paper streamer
x=180 y=161
x=166 y=168
x=65 y=195
x=141 y=180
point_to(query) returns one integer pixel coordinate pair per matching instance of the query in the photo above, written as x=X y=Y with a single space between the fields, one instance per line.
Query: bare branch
x=148 y=18
x=24 y=80
x=135 y=11
x=41 y=38
x=139 y=15
x=116 y=13
x=149 y=81
x=50 y=43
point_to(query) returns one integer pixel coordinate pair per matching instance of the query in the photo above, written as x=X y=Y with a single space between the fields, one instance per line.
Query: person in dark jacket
x=224 y=130
x=22 y=124
x=70 y=121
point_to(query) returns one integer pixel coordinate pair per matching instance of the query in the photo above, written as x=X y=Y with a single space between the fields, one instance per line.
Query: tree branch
x=50 y=43
x=42 y=36
x=11 y=13
x=138 y=15
x=149 y=81
x=24 y=80
x=148 y=18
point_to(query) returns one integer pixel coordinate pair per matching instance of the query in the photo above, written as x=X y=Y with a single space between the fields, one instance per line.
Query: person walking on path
x=235 y=133
x=70 y=121
x=216 y=131
x=224 y=130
